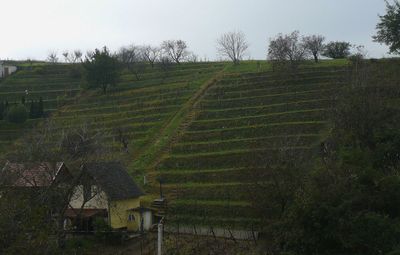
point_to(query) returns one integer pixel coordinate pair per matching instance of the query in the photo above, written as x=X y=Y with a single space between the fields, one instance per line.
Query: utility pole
x=160 y=237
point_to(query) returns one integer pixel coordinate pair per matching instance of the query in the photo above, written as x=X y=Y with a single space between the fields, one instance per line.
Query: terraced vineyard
x=142 y=108
x=210 y=164
x=198 y=125
x=55 y=84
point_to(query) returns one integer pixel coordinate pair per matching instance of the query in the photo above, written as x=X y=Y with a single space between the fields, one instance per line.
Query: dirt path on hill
x=152 y=154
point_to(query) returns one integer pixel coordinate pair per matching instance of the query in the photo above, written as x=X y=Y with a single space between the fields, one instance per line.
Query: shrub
x=17 y=114
x=75 y=72
x=104 y=233
x=337 y=50
x=39 y=70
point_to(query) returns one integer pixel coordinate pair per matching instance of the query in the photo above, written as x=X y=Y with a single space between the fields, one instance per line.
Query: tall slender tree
x=2 y=110
x=40 y=107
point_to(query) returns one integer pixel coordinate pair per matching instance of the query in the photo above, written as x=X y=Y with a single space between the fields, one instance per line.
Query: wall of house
x=99 y=200
x=133 y=223
x=119 y=211
x=11 y=69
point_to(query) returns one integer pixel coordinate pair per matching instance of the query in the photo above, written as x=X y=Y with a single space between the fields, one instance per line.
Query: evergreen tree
x=40 y=110
x=32 y=113
x=101 y=69
x=2 y=110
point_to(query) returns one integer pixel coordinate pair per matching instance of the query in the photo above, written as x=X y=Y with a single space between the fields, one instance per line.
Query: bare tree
x=232 y=45
x=175 y=49
x=40 y=212
x=122 y=136
x=193 y=58
x=72 y=57
x=66 y=56
x=275 y=180
x=132 y=57
x=81 y=143
x=129 y=55
x=151 y=54
x=287 y=48
x=77 y=55
x=52 y=57
x=314 y=44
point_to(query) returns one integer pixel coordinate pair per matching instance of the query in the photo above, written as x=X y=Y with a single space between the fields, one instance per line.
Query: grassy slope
x=150 y=109
x=196 y=125
x=249 y=111
x=53 y=83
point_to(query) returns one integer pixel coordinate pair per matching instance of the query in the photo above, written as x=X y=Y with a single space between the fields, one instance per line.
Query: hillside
x=55 y=84
x=239 y=121
x=198 y=126
x=141 y=107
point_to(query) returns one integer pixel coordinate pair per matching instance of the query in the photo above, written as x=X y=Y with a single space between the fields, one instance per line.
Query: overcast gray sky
x=34 y=28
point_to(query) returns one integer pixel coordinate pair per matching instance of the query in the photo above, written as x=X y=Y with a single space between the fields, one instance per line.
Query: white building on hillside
x=6 y=70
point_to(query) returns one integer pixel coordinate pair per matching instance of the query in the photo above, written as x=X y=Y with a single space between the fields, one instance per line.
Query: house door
x=133 y=221
x=6 y=71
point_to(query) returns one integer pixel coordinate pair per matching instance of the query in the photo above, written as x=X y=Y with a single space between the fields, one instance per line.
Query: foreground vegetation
x=305 y=156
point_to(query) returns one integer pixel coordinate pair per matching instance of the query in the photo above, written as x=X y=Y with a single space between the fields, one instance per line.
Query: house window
x=87 y=192
x=131 y=217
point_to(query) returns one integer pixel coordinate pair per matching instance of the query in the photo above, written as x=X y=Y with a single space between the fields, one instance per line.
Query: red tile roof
x=30 y=174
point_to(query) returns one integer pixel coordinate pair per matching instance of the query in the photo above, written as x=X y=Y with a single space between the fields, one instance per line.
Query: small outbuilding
x=6 y=70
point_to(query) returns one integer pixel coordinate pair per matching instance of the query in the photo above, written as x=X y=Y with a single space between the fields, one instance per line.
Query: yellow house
x=102 y=191
x=106 y=190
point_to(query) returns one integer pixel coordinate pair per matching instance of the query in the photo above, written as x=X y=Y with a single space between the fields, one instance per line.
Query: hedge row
x=132 y=100
x=267 y=99
x=118 y=117
x=72 y=112
x=255 y=131
x=270 y=75
x=135 y=105
x=37 y=94
x=39 y=86
x=175 y=89
x=224 y=93
x=225 y=192
x=246 y=143
x=269 y=83
x=293 y=116
x=288 y=106
x=157 y=73
x=228 y=159
x=217 y=176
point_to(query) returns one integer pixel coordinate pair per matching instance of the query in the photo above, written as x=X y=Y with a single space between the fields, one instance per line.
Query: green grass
x=200 y=126
x=249 y=66
x=150 y=153
x=250 y=111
